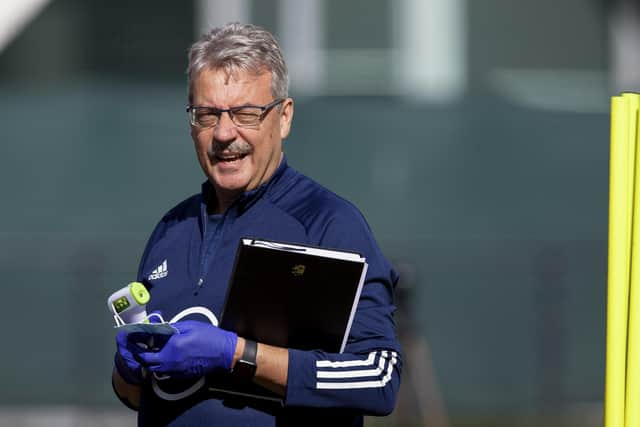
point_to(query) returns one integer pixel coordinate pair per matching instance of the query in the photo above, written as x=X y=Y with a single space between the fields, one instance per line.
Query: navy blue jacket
x=183 y=267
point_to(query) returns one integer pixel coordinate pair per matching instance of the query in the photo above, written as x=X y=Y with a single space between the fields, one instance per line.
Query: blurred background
x=473 y=135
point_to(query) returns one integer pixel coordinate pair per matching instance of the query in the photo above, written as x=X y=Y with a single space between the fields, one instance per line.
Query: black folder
x=291 y=296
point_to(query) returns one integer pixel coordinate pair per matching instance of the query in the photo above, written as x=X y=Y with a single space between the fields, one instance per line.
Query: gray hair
x=243 y=47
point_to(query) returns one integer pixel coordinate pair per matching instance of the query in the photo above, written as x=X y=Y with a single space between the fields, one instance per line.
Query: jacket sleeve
x=366 y=377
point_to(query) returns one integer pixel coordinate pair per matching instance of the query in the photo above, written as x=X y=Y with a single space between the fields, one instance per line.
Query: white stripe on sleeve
x=360 y=384
x=346 y=363
x=355 y=373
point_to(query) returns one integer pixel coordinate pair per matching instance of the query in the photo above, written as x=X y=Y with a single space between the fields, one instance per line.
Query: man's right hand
x=127 y=373
x=128 y=368
x=127 y=344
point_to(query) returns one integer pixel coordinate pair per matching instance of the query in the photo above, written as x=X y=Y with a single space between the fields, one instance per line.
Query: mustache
x=236 y=147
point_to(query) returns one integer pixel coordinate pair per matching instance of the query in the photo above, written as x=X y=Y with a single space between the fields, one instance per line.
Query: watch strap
x=250 y=352
x=245 y=367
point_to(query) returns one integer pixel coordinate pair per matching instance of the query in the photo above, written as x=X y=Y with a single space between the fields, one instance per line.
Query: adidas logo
x=160 y=271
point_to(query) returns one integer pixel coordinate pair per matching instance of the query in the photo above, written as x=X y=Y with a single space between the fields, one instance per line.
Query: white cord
x=196 y=310
x=176 y=396
x=195 y=387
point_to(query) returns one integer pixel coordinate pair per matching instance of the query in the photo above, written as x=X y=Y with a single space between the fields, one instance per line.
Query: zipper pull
x=198 y=286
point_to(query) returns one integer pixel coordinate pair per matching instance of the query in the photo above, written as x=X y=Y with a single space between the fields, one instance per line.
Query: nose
x=225 y=130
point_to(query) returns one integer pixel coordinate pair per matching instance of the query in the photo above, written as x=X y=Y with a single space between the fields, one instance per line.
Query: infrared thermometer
x=129 y=304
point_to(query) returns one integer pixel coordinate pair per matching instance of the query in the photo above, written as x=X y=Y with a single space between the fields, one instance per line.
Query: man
x=240 y=112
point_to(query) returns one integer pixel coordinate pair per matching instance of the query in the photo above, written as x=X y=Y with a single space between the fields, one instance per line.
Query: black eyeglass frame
x=191 y=109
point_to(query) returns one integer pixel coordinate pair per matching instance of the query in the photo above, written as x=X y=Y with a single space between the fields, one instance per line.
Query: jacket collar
x=245 y=200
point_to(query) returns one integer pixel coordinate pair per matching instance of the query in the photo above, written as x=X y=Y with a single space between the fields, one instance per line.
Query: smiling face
x=237 y=159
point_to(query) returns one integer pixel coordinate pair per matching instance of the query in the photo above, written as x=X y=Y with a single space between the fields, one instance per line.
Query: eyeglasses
x=246 y=116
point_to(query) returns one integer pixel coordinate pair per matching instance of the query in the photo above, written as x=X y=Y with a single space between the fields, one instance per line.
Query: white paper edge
x=327 y=253
x=356 y=300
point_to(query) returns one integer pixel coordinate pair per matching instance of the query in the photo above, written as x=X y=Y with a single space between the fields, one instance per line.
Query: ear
x=286 y=117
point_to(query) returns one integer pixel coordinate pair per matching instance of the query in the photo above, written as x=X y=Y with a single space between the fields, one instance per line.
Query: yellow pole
x=619 y=263
x=632 y=405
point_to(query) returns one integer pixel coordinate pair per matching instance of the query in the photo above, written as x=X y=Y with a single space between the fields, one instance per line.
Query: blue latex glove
x=196 y=350
x=126 y=345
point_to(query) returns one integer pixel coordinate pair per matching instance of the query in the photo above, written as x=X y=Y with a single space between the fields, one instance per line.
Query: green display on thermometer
x=121 y=304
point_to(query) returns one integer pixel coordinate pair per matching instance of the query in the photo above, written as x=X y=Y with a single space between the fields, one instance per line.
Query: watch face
x=244 y=370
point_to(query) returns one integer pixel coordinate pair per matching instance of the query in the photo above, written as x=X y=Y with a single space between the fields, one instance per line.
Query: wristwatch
x=245 y=367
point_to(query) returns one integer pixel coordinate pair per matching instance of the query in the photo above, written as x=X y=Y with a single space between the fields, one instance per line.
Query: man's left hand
x=196 y=350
